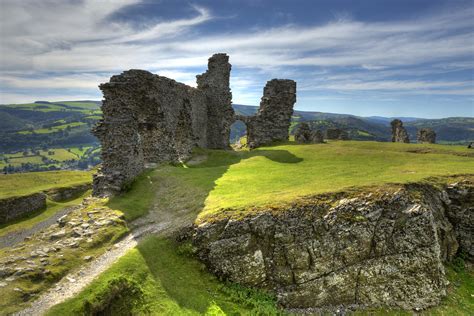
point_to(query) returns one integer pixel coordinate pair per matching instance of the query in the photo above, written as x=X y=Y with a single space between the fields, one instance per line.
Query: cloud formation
x=57 y=44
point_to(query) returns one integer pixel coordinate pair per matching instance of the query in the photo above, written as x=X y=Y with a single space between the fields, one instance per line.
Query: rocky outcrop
x=150 y=119
x=15 y=207
x=67 y=193
x=460 y=212
x=399 y=133
x=426 y=135
x=336 y=134
x=379 y=247
x=272 y=121
x=304 y=134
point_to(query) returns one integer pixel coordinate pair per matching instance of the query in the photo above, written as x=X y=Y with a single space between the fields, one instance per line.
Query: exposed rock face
x=336 y=133
x=150 y=119
x=399 y=133
x=461 y=214
x=426 y=135
x=18 y=206
x=304 y=134
x=383 y=248
x=272 y=121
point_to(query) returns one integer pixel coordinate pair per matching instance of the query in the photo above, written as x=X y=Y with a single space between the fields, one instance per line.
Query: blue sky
x=377 y=57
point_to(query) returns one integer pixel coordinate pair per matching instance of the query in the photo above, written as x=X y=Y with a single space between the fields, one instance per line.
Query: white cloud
x=77 y=39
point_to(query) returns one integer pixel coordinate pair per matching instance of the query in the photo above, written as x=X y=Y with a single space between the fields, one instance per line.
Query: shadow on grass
x=177 y=194
x=186 y=186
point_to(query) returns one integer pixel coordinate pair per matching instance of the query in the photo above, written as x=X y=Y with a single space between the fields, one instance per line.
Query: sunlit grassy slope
x=25 y=183
x=160 y=277
x=278 y=174
x=281 y=173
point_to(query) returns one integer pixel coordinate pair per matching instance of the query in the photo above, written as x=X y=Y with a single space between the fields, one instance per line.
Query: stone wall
x=67 y=193
x=381 y=247
x=18 y=206
x=148 y=119
x=426 y=135
x=399 y=133
x=272 y=121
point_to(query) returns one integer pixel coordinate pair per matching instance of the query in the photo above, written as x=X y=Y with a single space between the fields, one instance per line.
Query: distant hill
x=454 y=130
x=68 y=123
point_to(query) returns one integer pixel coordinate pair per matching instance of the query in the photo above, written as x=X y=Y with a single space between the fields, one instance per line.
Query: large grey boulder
x=384 y=247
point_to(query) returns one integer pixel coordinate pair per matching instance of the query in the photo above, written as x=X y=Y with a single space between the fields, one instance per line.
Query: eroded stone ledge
x=372 y=248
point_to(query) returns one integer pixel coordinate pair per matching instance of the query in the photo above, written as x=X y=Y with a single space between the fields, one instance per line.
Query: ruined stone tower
x=272 y=121
x=149 y=119
x=426 y=135
x=399 y=133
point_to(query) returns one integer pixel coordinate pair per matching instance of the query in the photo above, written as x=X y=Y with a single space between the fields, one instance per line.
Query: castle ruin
x=399 y=133
x=150 y=119
x=426 y=135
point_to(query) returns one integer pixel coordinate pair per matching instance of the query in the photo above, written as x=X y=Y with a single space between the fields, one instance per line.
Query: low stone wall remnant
x=18 y=206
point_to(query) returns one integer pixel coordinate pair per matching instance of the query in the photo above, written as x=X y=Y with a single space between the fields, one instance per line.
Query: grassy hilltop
x=217 y=180
x=167 y=279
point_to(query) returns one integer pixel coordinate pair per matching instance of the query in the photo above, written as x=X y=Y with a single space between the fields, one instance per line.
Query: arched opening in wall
x=238 y=134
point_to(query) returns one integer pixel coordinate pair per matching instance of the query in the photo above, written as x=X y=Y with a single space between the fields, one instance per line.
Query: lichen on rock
x=377 y=247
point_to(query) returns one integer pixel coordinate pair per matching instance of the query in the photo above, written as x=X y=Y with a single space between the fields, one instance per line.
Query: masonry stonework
x=148 y=119
x=272 y=121
x=399 y=133
x=426 y=135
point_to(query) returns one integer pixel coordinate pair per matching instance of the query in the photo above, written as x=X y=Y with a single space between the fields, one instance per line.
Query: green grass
x=60 y=154
x=36 y=217
x=33 y=283
x=37 y=107
x=78 y=152
x=137 y=200
x=278 y=174
x=273 y=175
x=94 y=117
x=53 y=129
x=26 y=183
x=81 y=104
x=165 y=279
x=17 y=161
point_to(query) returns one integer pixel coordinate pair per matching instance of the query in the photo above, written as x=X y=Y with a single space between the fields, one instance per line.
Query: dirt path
x=16 y=237
x=76 y=281
x=159 y=221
